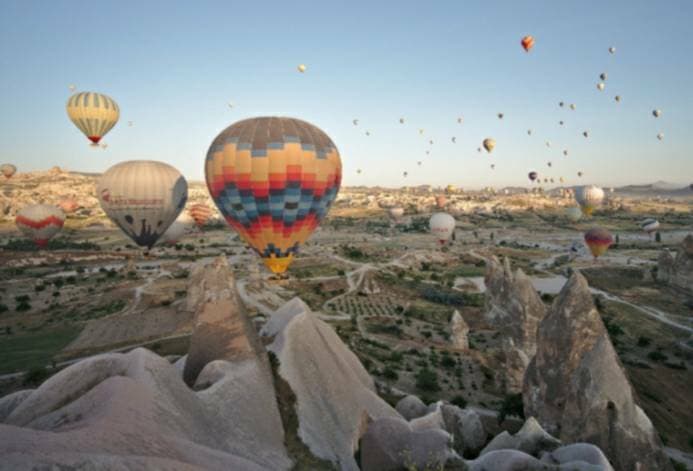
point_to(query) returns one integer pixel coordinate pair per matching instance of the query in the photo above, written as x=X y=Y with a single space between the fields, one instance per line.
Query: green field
x=22 y=352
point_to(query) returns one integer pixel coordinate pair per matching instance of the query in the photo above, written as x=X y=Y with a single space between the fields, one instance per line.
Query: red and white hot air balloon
x=200 y=213
x=40 y=222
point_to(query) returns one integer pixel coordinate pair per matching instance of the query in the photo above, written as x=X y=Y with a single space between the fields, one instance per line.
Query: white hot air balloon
x=589 y=198
x=40 y=222
x=183 y=225
x=612 y=50
x=573 y=213
x=442 y=226
x=301 y=68
x=395 y=213
x=649 y=225
x=601 y=86
x=656 y=113
x=143 y=198
x=660 y=136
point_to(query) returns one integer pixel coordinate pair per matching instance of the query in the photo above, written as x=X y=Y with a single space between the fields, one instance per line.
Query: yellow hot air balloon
x=274 y=180
x=489 y=144
x=143 y=197
x=93 y=113
x=301 y=68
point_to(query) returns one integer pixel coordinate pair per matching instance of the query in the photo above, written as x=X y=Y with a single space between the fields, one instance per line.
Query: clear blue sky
x=173 y=66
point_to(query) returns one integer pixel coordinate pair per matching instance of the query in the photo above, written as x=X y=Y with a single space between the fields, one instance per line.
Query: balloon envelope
x=573 y=213
x=598 y=240
x=200 y=213
x=441 y=201
x=274 y=180
x=143 y=198
x=68 y=205
x=180 y=227
x=527 y=43
x=489 y=144
x=8 y=170
x=40 y=222
x=442 y=225
x=93 y=113
x=532 y=175
x=649 y=225
x=589 y=197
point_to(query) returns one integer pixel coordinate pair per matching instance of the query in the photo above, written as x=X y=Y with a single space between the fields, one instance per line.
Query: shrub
x=427 y=380
x=643 y=341
x=512 y=405
x=447 y=362
x=3 y=308
x=459 y=401
x=656 y=356
x=22 y=299
x=22 y=306
x=390 y=373
x=36 y=375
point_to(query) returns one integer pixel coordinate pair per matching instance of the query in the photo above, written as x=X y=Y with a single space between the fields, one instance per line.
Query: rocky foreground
x=296 y=396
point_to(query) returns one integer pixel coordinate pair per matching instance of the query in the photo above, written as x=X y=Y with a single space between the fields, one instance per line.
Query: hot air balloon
x=454 y=139
x=585 y=133
x=489 y=144
x=93 y=113
x=356 y=122
x=573 y=213
x=612 y=50
x=441 y=201
x=358 y=170
x=572 y=106
x=428 y=152
x=230 y=104
x=656 y=113
x=589 y=198
x=527 y=43
x=430 y=141
x=8 y=170
x=419 y=163
x=560 y=103
x=401 y=120
x=598 y=240
x=603 y=76
x=459 y=120
x=405 y=174
x=551 y=180
x=493 y=166
x=421 y=131
x=565 y=152
x=442 y=225
x=548 y=143
x=600 y=86
x=200 y=213
x=579 y=174
x=532 y=175
x=450 y=189
x=529 y=132
x=548 y=163
x=274 y=180
x=561 y=179
x=68 y=205
x=617 y=98
x=649 y=225
x=500 y=115
x=301 y=68
x=560 y=123
x=178 y=228
x=40 y=222
x=478 y=149
x=660 y=136
x=72 y=87
x=368 y=133
x=546 y=180
x=143 y=198
x=395 y=213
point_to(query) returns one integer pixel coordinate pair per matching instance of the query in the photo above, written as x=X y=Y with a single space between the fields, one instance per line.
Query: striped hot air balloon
x=93 y=113
x=598 y=240
x=200 y=213
x=274 y=180
x=8 y=170
x=649 y=225
x=40 y=222
x=143 y=197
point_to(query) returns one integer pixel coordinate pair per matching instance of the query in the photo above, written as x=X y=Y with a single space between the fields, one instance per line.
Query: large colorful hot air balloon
x=489 y=144
x=441 y=201
x=649 y=225
x=527 y=43
x=274 y=180
x=142 y=197
x=8 y=170
x=532 y=175
x=68 y=205
x=40 y=222
x=442 y=226
x=598 y=240
x=200 y=213
x=93 y=113
x=589 y=198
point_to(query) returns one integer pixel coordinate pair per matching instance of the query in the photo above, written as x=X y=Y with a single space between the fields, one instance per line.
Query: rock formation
x=576 y=387
x=222 y=327
x=515 y=309
x=133 y=411
x=530 y=439
x=677 y=271
x=335 y=395
x=411 y=407
x=459 y=330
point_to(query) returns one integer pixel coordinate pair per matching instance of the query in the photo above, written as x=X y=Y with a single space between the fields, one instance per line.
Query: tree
x=427 y=380
x=658 y=237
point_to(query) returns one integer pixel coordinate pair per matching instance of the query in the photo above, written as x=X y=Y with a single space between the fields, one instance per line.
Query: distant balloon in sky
x=454 y=139
x=532 y=175
x=428 y=152
x=572 y=106
x=612 y=50
x=493 y=166
x=617 y=98
x=527 y=43
x=274 y=180
x=418 y=163
x=401 y=120
x=560 y=123
x=356 y=122
x=529 y=132
x=459 y=120
x=579 y=174
x=660 y=136
x=548 y=143
x=40 y=222
x=656 y=113
x=565 y=152
x=421 y=131
x=230 y=104
x=301 y=68
x=598 y=240
x=93 y=113
x=600 y=86
x=405 y=174
x=585 y=133
x=430 y=141
x=442 y=225
x=561 y=104
x=8 y=170
x=603 y=76
x=130 y=123
x=143 y=198
x=549 y=163
x=489 y=144
x=368 y=133
x=500 y=115
x=200 y=213
x=589 y=198
x=358 y=170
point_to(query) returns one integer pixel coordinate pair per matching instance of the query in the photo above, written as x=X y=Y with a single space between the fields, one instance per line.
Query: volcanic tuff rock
x=515 y=309
x=575 y=457
x=335 y=395
x=677 y=271
x=576 y=387
x=222 y=327
x=530 y=439
x=411 y=407
x=133 y=411
x=459 y=331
